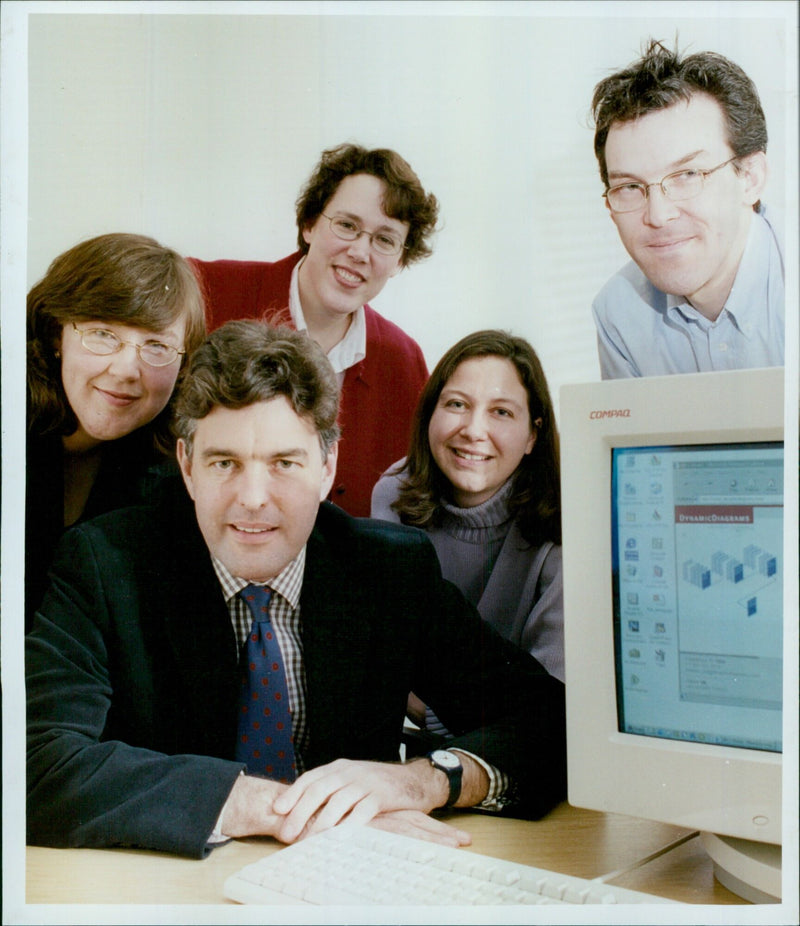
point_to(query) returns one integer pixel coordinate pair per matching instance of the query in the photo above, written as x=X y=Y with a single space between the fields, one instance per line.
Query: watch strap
x=454 y=775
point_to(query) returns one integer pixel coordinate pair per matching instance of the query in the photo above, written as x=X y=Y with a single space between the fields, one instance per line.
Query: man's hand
x=420 y=825
x=352 y=790
x=359 y=791
x=396 y=796
x=249 y=810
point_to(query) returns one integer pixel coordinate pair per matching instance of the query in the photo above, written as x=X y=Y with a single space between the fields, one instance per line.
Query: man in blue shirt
x=681 y=146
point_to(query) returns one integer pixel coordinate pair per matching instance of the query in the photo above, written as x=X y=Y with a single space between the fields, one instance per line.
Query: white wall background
x=200 y=129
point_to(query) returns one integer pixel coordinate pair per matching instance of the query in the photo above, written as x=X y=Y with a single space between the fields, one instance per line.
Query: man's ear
x=329 y=472
x=753 y=171
x=185 y=463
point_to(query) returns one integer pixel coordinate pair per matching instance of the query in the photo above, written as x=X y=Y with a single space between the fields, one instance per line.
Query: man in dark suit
x=134 y=663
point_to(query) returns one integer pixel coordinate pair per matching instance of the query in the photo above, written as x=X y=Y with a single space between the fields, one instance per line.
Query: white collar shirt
x=352 y=349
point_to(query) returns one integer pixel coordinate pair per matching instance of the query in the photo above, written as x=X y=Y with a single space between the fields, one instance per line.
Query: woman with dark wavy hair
x=482 y=479
x=109 y=329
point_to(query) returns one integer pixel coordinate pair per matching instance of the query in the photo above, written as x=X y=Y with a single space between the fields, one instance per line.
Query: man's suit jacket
x=379 y=394
x=132 y=675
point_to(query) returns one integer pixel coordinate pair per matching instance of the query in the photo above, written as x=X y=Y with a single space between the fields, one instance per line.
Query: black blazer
x=130 y=468
x=131 y=675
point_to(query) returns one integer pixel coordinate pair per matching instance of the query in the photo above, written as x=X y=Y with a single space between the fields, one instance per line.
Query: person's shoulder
x=386 y=491
x=137 y=552
x=165 y=510
x=385 y=335
x=627 y=291
x=42 y=451
x=245 y=288
x=773 y=222
x=214 y=271
x=113 y=545
x=373 y=564
x=349 y=534
x=552 y=559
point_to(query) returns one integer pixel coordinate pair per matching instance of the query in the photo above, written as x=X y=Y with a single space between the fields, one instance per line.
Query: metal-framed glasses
x=103 y=342
x=384 y=242
x=677 y=186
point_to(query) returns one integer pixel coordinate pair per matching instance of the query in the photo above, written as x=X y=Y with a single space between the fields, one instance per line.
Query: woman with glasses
x=109 y=328
x=482 y=479
x=362 y=217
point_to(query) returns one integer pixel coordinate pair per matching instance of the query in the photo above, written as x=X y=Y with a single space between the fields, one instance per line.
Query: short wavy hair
x=661 y=78
x=405 y=199
x=117 y=278
x=247 y=361
x=536 y=495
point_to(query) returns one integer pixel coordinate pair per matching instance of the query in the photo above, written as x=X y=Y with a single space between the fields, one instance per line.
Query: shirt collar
x=749 y=295
x=352 y=349
x=288 y=583
x=750 y=286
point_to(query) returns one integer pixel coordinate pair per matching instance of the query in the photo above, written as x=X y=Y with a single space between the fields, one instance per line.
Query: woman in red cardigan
x=361 y=218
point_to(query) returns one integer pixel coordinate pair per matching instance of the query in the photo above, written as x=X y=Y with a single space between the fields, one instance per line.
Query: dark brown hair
x=405 y=199
x=536 y=496
x=661 y=78
x=118 y=278
x=248 y=361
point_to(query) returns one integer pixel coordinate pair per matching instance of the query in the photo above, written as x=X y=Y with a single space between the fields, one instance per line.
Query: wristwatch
x=450 y=764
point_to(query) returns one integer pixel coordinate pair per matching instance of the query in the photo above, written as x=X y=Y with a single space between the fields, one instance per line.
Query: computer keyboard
x=350 y=865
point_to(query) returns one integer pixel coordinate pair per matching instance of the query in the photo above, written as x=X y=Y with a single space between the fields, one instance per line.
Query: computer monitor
x=672 y=501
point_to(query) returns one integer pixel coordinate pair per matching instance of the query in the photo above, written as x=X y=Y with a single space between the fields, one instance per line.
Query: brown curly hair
x=405 y=199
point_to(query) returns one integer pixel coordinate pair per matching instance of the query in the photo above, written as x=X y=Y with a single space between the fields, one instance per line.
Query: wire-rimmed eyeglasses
x=677 y=186
x=103 y=342
x=383 y=241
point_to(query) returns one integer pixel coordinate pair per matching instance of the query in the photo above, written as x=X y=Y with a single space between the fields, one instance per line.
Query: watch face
x=445 y=758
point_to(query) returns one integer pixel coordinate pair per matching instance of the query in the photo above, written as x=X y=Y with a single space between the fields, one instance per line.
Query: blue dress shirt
x=642 y=331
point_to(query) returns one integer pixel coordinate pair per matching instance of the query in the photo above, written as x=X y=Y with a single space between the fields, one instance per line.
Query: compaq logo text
x=611 y=413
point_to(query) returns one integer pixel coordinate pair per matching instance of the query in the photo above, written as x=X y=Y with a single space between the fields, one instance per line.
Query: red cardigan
x=379 y=393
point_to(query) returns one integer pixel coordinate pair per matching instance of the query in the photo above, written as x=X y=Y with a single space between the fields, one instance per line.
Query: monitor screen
x=674 y=589
x=697 y=584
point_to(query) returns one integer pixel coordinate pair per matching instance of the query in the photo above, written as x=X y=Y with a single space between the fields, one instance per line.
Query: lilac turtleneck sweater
x=517 y=588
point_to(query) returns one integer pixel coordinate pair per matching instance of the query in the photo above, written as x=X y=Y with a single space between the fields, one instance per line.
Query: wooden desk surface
x=569 y=840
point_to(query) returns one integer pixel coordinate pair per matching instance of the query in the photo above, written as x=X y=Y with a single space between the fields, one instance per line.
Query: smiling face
x=114 y=394
x=256 y=476
x=690 y=248
x=337 y=277
x=480 y=429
